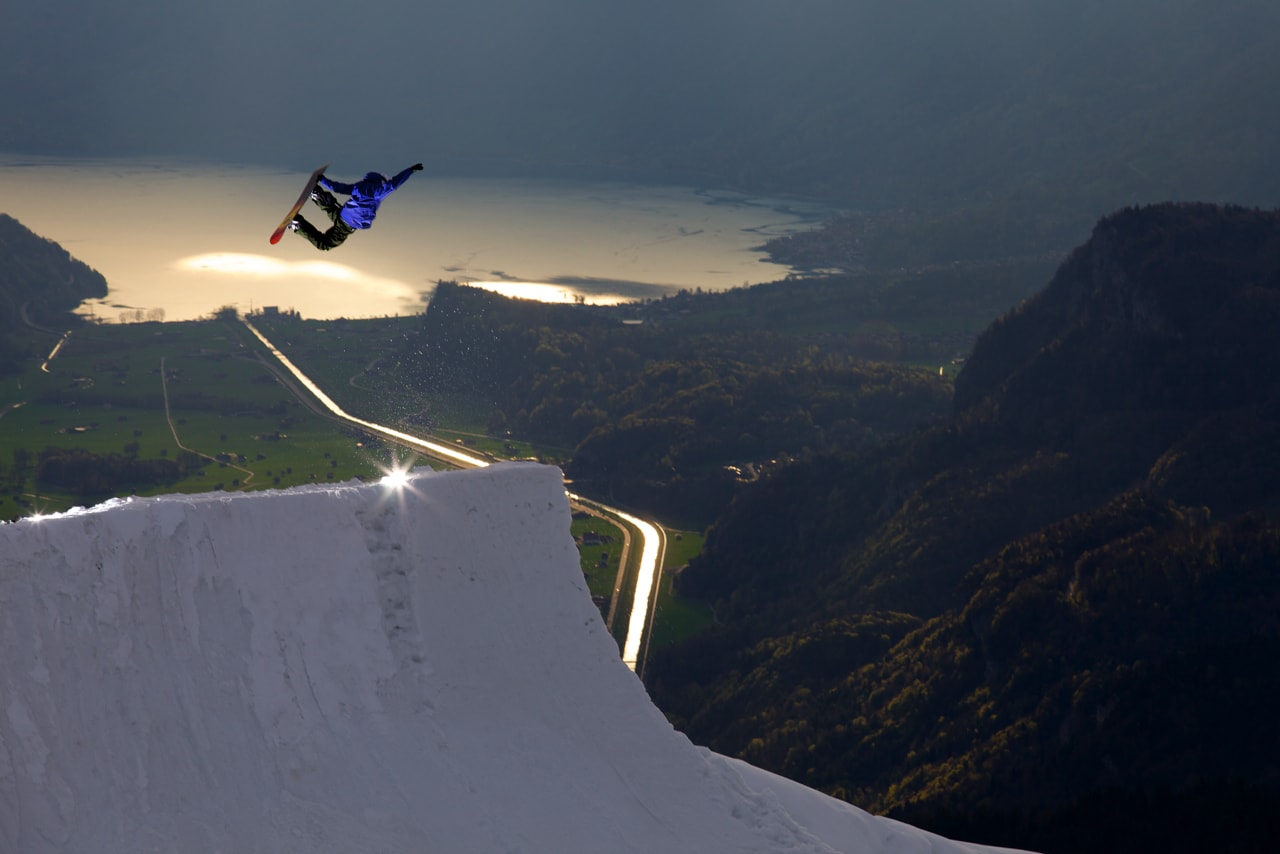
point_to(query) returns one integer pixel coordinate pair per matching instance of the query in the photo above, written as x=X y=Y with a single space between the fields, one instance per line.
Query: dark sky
x=864 y=95
x=281 y=77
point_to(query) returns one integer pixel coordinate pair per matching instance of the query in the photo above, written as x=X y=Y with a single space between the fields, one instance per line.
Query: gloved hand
x=417 y=167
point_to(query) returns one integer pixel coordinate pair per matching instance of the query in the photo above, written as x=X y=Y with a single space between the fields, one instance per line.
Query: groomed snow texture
x=353 y=668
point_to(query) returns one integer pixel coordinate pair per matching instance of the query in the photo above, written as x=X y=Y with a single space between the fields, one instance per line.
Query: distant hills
x=1052 y=619
x=40 y=277
x=658 y=412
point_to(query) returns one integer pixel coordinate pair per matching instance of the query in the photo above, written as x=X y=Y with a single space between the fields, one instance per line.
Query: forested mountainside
x=1053 y=619
x=671 y=412
x=41 y=276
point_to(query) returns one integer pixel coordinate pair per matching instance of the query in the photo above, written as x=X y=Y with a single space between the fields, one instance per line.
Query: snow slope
x=353 y=668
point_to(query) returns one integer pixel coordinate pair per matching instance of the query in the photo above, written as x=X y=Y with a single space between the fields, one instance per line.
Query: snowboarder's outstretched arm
x=403 y=175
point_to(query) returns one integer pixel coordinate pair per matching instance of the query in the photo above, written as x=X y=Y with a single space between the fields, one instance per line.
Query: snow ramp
x=353 y=668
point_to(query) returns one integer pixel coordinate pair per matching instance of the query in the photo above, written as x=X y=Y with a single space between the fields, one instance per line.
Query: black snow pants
x=337 y=233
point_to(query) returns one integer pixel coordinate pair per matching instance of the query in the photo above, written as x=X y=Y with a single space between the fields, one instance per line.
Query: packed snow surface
x=353 y=668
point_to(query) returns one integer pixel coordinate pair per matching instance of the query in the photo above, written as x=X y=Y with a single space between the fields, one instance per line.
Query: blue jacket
x=366 y=194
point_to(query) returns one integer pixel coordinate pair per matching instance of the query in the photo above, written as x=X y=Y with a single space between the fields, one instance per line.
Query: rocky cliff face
x=1170 y=306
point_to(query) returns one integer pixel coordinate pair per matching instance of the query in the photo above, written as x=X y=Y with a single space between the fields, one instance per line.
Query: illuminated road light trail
x=53 y=354
x=651 y=537
x=433 y=447
x=645 y=580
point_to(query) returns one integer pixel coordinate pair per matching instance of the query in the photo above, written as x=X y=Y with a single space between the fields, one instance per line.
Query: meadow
x=161 y=408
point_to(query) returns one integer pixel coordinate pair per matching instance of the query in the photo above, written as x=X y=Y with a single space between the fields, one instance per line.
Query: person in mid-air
x=358 y=211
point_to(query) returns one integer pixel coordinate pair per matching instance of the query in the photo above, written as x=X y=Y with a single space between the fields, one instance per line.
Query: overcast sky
x=380 y=75
x=801 y=86
x=391 y=74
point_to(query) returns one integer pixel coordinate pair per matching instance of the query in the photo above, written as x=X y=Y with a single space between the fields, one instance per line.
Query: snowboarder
x=358 y=211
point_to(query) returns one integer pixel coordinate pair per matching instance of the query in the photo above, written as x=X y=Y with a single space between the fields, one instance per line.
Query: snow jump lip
x=370 y=667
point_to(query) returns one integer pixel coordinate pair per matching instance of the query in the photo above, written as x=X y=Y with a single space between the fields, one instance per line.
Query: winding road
x=652 y=541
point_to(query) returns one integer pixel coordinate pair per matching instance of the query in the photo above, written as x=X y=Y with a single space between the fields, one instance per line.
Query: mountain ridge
x=1088 y=477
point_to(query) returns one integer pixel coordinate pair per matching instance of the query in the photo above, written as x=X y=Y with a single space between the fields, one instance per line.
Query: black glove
x=417 y=167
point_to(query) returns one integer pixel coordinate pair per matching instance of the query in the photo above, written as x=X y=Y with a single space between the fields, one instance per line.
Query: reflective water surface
x=177 y=241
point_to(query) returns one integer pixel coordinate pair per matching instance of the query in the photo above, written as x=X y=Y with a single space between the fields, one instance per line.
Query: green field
x=231 y=425
x=676 y=618
x=599 y=543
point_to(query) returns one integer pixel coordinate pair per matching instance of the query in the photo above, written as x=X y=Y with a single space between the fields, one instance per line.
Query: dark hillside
x=1165 y=306
x=672 y=405
x=40 y=276
x=1054 y=617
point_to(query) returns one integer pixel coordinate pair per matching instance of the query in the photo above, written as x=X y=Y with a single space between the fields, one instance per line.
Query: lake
x=177 y=241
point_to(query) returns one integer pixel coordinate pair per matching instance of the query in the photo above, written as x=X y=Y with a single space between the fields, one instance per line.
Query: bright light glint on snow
x=395 y=479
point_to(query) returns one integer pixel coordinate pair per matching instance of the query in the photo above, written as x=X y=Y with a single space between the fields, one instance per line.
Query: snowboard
x=297 y=206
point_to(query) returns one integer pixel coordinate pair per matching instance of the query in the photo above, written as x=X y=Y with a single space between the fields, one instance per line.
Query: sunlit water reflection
x=180 y=241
